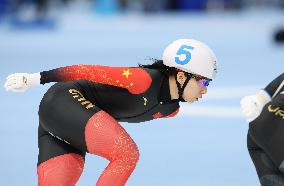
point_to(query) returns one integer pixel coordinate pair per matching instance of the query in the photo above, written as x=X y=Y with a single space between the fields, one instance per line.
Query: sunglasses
x=202 y=81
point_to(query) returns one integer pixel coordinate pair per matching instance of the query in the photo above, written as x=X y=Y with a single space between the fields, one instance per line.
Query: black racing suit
x=266 y=137
x=127 y=94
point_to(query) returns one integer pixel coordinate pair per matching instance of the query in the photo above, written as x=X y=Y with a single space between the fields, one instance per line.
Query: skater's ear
x=181 y=77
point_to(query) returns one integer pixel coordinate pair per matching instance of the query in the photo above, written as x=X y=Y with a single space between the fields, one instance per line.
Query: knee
x=136 y=155
x=126 y=150
x=105 y=137
x=126 y=156
x=132 y=153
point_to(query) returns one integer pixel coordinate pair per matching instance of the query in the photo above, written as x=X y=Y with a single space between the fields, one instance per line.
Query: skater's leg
x=105 y=137
x=58 y=162
x=86 y=127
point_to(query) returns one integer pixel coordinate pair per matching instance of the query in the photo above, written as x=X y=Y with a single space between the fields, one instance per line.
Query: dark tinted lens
x=204 y=82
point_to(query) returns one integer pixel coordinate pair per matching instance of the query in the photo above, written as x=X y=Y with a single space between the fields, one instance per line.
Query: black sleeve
x=49 y=76
x=273 y=85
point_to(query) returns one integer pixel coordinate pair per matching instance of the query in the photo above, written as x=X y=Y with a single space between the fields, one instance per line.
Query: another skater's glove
x=21 y=82
x=252 y=105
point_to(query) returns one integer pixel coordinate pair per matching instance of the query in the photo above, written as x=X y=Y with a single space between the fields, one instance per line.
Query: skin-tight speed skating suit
x=266 y=137
x=80 y=114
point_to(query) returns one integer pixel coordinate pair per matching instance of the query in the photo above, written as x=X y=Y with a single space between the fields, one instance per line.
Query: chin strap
x=181 y=88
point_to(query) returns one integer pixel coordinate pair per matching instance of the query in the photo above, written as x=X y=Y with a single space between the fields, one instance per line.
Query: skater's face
x=195 y=88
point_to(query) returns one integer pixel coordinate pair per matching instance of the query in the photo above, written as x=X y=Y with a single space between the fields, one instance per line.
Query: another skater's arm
x=252 y=105
x=275 y=86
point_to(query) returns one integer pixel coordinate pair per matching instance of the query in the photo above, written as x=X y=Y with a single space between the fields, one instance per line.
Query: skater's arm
x=252 y=105
x=273 y=86
x=135 y=80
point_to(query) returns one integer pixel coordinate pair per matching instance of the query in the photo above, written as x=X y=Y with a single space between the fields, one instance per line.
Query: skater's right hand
x=21 y=82
x=252 y=106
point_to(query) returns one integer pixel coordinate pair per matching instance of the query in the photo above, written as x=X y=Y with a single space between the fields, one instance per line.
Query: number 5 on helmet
x=191 y=56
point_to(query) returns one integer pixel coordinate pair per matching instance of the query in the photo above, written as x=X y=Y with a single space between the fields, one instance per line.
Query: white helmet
x=191 y=56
